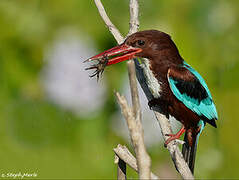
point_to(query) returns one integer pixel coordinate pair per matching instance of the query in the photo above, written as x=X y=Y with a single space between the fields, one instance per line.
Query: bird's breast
x=153 y=84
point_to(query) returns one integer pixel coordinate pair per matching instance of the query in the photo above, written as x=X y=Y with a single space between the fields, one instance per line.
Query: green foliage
x=37 y=135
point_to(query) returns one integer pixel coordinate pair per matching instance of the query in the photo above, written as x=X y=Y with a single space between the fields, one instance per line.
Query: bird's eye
x=140 y=43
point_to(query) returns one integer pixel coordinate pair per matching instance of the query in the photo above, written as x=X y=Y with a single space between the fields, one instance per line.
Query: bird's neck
x=165 y=59
x=153 y=83
x=156 y=69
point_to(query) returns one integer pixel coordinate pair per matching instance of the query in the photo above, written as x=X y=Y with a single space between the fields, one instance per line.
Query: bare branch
x=134 y=25
x=123 y=153
x=172 y=147
x=137 y=138
x=143 y=159
x=136 y=131
x=114 y=31
x=134 y=90
x=134 y=13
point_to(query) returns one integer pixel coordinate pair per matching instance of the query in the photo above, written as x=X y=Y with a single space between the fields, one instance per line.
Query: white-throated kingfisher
x=177 y=88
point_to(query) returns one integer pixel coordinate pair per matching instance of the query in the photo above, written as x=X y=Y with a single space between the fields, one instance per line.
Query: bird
x=177 y=89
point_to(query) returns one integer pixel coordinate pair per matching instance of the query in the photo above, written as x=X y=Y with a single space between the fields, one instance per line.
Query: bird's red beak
x=116 y=54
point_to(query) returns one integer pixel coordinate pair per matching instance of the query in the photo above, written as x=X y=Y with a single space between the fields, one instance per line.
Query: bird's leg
x=174 y=136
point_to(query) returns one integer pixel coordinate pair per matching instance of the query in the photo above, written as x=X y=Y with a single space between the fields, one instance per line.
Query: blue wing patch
x=196 y=97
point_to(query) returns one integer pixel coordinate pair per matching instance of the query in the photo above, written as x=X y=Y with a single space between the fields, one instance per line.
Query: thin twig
x=123 y=153
x=134 y=25
x=176 y=154
x=134 y=16
x=114 y=31
x=135 y=127
x=134 y=90
x=143 y=159
x=137 y=138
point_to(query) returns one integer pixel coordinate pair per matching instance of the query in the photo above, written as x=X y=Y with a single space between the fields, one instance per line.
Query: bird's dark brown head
x=152 y=44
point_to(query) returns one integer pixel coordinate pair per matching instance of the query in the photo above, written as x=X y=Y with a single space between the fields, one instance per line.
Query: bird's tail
x=189 y=152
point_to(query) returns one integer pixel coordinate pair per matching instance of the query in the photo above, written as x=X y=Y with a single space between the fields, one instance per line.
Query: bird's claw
x=178 y=141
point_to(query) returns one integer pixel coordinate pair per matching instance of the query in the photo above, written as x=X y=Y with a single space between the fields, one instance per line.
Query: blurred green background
x=51 y=126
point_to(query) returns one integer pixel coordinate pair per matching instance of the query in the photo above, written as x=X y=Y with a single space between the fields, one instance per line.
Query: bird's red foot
x=174 y=136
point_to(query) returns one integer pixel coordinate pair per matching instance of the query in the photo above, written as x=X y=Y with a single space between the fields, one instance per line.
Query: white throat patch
x=152 y=82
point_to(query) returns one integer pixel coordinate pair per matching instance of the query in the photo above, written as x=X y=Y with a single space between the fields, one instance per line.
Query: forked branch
x=123 y=153
x=137 y=138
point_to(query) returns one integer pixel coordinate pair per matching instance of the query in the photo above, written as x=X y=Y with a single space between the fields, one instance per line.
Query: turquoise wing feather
x=195 y=94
